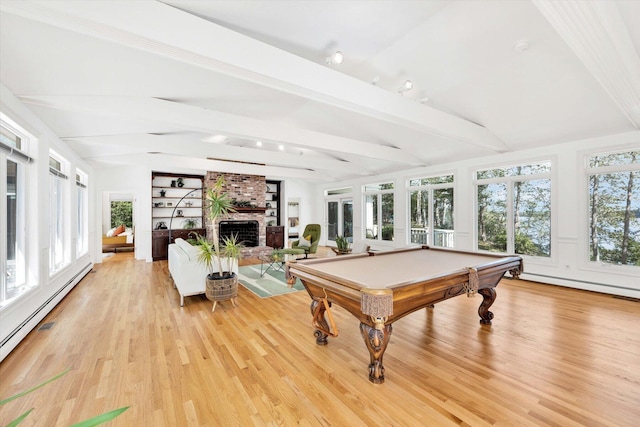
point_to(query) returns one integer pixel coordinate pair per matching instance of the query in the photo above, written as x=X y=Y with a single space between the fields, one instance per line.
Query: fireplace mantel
x=249 y=209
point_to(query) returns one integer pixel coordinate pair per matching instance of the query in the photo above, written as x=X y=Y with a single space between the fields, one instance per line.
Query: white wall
x=305 y=193
x=568 y=265
x=20 y=317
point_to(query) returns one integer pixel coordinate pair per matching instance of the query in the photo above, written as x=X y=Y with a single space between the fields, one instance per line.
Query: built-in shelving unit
x=274 y=229
x=176 y=209
x=272 y=203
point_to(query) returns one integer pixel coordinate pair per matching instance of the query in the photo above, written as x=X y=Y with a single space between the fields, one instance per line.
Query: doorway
x=118 y=210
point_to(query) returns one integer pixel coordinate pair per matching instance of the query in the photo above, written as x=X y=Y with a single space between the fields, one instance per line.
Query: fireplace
x=247 y=232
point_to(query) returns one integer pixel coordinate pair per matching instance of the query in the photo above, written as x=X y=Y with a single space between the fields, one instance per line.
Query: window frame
x=584 y=250
x=82 y=217
x=510 y=180
x=430 y=188
x=60 y=177
x=24 y=227
x=378 y=193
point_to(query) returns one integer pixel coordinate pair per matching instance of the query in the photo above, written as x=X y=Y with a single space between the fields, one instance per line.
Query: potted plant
x=343 y=245
x=190 y=223
x=222 y=282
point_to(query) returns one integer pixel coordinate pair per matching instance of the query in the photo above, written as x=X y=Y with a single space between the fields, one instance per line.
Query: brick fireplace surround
x=249 y=188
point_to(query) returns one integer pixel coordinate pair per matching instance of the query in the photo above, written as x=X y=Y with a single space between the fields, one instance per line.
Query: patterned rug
x=271 y=284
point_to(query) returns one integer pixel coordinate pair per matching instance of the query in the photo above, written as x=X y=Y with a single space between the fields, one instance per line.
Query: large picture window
x=514 y=209
x=58 y=229
x=431 y=211
x=378 y=202
x=14 y=164
x=614 y=208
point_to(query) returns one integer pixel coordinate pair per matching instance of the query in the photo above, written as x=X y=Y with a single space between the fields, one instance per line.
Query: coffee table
x=277 y=260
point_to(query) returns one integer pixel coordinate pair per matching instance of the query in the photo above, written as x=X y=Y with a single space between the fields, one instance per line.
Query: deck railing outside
x=442 y=238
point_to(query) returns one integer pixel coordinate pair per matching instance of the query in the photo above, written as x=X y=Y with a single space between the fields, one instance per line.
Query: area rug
x=271 y=284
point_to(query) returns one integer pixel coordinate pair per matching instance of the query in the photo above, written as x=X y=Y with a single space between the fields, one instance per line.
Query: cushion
x=190 y=250
x=304 y=242
x=110 y=232
x=119 y=230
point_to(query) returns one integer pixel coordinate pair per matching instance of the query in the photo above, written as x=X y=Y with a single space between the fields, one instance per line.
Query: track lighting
x=336 y=58
x=406 y=86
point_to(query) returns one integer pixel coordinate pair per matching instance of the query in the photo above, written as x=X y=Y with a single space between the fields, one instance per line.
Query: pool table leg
x=317 y=311
x=488 y=297
x=376 y=341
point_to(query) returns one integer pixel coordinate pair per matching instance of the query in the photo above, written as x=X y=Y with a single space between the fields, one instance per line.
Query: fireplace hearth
x=247 y=231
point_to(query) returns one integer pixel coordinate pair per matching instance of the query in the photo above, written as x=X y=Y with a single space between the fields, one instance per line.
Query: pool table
x=379 y=288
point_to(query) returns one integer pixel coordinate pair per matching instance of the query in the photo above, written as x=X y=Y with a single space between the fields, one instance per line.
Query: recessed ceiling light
x=259 y=143
x=281 y=147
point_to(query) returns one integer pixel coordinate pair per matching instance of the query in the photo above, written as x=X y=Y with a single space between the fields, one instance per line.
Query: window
x=431 y=202
x=514 y=209
x=14 y=166
x=378 y=202
x=82 y=242
x=121 y=213
x=58 y=214
x=614 y=208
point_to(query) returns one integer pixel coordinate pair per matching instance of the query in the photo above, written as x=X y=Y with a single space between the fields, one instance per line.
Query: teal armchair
x=311 y=234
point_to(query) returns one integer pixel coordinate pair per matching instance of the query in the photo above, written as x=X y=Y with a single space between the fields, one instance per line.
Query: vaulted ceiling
x=196 y=84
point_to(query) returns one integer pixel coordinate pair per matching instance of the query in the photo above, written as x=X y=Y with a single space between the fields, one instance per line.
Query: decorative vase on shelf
x=180 y=182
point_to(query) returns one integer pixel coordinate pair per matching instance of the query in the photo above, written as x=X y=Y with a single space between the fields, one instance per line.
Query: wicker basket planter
x=220 y=289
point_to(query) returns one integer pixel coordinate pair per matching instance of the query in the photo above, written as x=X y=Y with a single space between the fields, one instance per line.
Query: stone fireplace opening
x=247 y=231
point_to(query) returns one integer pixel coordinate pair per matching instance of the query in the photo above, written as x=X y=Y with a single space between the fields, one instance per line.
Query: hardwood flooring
x=553 y=356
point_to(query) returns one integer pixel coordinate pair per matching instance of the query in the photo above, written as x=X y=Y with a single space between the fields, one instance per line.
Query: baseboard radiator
x=6 y=345
x=582 y=284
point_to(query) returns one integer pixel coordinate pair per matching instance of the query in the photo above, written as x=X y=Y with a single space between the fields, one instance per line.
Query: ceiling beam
x=190 y=146
x=597 y=34
x=206 y=121
x=163 y=30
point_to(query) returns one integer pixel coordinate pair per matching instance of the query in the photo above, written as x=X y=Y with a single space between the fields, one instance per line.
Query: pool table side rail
x=308 y=266
x=407 y=297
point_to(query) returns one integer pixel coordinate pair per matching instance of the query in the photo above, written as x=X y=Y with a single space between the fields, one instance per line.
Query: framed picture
x=169 y=204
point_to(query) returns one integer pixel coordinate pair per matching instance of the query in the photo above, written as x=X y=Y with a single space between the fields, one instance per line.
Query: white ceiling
x=150 y=82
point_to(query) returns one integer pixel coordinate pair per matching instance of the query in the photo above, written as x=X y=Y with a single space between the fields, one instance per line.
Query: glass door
x=339 y=219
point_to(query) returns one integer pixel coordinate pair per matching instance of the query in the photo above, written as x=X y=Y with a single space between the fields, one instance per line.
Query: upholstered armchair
x=309 y=240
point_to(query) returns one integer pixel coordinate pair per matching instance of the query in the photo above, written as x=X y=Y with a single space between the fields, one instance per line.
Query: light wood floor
x=553 y=356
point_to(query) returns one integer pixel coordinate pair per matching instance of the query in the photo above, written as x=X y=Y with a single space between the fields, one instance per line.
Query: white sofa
x=189 y=275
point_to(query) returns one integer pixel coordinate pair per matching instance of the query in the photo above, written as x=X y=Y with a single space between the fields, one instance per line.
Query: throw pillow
x=110 y=232
x=119 y=230
x=304 y=242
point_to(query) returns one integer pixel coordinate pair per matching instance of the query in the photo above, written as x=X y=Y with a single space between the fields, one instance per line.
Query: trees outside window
x=121 y=213
x=614 y=208
x=378 y=202
x=514 y=209
x=431 y=202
